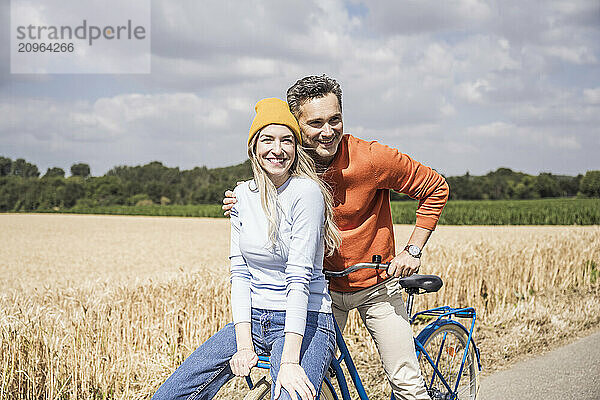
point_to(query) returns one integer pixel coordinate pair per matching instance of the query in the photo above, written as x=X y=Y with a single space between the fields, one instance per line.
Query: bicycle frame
x=263 y=362
x=336 y=365
x=444 y=315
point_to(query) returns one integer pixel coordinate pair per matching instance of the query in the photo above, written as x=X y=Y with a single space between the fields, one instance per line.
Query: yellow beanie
x=273 y=111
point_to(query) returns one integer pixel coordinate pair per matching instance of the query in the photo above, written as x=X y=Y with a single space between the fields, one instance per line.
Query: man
x=361 y=175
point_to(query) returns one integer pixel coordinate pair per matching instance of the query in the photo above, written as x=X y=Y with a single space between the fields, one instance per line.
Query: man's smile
x=327 y=142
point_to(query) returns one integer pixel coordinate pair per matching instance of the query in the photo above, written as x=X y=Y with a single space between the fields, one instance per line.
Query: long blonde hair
x=303 y=166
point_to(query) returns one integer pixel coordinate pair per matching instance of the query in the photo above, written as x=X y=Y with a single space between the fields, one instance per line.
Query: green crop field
x=564 y=211
x=200 y=210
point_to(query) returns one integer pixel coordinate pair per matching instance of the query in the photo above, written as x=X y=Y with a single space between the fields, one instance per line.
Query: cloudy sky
x=461 y=85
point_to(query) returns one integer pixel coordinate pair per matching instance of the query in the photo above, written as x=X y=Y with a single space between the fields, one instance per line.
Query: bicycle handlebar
x=413 y=283
x=356 y=267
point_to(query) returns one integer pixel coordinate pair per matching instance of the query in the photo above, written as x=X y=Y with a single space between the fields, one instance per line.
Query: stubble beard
x=321 y=164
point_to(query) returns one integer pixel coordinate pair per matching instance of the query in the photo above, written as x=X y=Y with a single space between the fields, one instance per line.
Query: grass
x=564 y=211
x=97 y=307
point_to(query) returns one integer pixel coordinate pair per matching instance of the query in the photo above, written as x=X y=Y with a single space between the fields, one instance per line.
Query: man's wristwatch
x=413 y=250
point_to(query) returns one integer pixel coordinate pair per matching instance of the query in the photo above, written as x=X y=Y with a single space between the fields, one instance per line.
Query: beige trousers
x=383 y=312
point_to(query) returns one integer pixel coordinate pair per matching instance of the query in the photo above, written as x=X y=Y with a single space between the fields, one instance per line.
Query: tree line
x=23 y=188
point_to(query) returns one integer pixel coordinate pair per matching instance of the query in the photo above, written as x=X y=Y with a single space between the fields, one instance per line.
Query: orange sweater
x=361 y=176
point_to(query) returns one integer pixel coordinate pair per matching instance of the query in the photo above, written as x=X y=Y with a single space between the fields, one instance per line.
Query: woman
x=281 y=227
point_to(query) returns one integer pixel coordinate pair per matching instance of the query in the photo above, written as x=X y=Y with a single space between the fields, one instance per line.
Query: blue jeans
x=207 y=369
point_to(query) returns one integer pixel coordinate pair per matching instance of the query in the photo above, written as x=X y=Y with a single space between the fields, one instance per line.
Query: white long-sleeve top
x=289 y=276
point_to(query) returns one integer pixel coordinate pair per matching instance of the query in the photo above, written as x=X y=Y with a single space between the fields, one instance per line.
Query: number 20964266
x=46 y=47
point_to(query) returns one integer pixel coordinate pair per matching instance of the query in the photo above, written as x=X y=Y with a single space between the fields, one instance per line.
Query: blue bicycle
x=447 y=354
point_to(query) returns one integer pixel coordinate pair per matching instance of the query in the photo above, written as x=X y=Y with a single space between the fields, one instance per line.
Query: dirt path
x=569 y=372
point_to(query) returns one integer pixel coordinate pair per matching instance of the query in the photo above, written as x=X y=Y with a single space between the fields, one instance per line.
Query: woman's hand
x=242 y=361
x=292 y=377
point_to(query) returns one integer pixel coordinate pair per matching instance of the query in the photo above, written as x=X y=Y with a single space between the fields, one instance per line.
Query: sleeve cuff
x=241 y=307
x=427 y=222
x=294 y=324
x=296 y=308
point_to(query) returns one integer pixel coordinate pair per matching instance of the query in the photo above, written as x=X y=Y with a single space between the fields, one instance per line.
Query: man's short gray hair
x=312 y=87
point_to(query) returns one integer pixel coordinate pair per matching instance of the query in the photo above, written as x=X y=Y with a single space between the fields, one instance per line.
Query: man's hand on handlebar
x=403 y=265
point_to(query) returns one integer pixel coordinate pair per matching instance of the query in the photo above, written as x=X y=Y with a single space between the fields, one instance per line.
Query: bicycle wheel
x=446 y=346
x=262 y=391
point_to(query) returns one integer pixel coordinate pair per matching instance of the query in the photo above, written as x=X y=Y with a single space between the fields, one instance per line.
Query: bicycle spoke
x=445 y=348
x=437 y=360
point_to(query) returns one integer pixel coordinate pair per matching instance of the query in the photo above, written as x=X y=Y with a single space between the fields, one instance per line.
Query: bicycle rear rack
x=447 y=311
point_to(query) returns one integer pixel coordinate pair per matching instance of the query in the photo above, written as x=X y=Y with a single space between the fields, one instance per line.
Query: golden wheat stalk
x=108 y=307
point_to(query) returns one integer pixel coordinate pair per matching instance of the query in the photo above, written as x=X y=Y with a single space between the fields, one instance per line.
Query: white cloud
x=567 y=143
x=565 y=109
x=179 y=128
x=410 y=17
x=577 y=55
x=523 y=135
x=592 y=96
x=435 y=78
x=106 y=56
x=473 y=92
x=404 y=133
x=493 y=130
x=121 y=115
x=461 y=148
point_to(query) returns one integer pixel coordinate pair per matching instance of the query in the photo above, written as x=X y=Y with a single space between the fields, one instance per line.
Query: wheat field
x=97 y=307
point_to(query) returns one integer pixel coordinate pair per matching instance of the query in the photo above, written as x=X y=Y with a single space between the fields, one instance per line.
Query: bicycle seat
x=428 y=283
